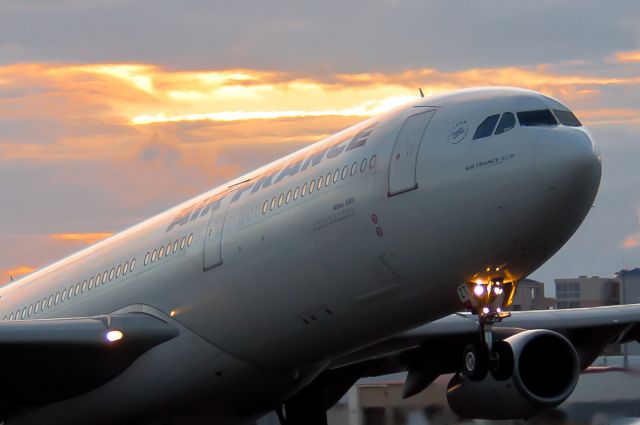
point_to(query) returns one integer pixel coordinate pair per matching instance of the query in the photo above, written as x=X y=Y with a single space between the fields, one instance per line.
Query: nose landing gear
x=486 y=299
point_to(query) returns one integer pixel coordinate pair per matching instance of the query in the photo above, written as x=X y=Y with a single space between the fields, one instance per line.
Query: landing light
x=497 y=290
x=113 y=336
x=485 y=310
x=478 y=290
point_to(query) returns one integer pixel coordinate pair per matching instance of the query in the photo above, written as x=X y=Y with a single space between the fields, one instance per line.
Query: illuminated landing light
x=499 y=310
x=113 y=336
x=173 y=313
x=488 y=269
x=498 y=290
x=478 y=290
x=485 y=310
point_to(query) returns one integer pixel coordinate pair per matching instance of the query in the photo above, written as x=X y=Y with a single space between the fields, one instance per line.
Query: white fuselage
x=268 y=281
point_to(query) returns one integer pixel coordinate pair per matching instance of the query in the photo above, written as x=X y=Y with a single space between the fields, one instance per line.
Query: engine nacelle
x=535 y=370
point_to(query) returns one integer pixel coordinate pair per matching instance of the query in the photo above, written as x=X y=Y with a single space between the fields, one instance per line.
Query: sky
x=112 y=111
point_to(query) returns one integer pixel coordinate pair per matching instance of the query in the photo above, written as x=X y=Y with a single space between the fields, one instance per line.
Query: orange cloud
x=627 y=57
x=86 y=238
x=18 y=271
x=632 y=241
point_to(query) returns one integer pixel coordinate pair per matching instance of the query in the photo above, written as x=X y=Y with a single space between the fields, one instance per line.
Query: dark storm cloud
x=327 y=36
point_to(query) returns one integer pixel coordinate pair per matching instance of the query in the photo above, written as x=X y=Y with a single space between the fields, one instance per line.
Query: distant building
x=630 y=281
x=587 y=291
x=530 y=296
x=630 y=294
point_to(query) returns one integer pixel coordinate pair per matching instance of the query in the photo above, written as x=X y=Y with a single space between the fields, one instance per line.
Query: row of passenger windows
x=73 y=290
x=319 y=183
x=540 y=117
x=170 y=248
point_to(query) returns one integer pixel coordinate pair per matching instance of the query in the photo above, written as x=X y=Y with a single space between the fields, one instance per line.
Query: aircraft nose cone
x=567 y=161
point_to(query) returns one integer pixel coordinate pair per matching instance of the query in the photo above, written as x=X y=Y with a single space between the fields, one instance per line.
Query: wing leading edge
x=52 y=359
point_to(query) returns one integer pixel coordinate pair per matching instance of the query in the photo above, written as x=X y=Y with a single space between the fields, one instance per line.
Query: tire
x=475 y=362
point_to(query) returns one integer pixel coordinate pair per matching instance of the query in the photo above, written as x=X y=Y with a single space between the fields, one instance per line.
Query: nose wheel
x=487 y=300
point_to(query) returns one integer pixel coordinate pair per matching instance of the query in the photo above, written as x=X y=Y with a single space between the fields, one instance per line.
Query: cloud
x=632 y=241
x=628 y=57
x=85 y=238
x=18 y=271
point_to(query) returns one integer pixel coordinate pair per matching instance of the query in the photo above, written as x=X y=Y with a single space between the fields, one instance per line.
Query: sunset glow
x=16 y=272
x=142 y=133
x=86 y=238
x=626 y=57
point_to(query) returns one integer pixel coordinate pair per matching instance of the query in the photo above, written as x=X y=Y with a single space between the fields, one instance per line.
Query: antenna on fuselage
x=11 y=277
x=420 y=90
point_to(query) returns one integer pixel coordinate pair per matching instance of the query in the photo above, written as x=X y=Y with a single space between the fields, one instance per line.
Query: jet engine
x=530 y=372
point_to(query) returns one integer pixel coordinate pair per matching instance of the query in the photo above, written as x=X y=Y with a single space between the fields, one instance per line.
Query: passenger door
x=402 y=168
x=212 y=254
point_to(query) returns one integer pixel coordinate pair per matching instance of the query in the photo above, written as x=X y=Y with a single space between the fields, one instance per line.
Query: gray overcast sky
x=69 y=164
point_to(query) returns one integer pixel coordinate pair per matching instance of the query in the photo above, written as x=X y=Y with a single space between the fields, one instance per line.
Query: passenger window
x=541 y=117
x=183 y=242
x=304 y=190
x=320 y=182
x=133 y=264
x=280 y=199
x=168 y=249
x=273 y=202
x=147 y=258
x=363 y=165
x=372 y=162
x=312 y=185
x=11 y=316
x=91 y=282
x=345 y=172
x=190 y=241
x=36 y=309
x=265 y=207
x=289 y=195
x=354 y=168
x=567 y=118
x=77 y=289
x=57 y=297
x=30 y=310
x=154 y=254
x=296 y=193
x=125 y=268
x=485 y=129
x=507 y=122
x=64 y=294
x=99 y=279
x=24 y=313
x=112 y=274
x=327 y=180
x=176 y=244
x=161 y=252
x=84 y=286
x=50 y=303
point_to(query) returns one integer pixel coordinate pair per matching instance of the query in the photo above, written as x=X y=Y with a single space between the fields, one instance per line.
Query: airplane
x=394 y=245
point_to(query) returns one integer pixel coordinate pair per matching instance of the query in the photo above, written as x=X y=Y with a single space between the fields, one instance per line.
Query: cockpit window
x=485 y=129
x=507 y=122
x=539 y=117
x=567 y=118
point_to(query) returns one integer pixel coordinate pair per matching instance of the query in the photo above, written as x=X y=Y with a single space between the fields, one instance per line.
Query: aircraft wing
x=51 y=359
x=435 y=348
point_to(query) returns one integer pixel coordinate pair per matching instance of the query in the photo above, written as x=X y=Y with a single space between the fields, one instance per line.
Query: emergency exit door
x=404 y=159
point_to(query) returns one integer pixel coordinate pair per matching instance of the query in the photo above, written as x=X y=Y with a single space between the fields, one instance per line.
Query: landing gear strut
x=487 y=299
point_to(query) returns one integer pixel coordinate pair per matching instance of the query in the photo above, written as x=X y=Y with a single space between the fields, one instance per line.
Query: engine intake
x=534 y=371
